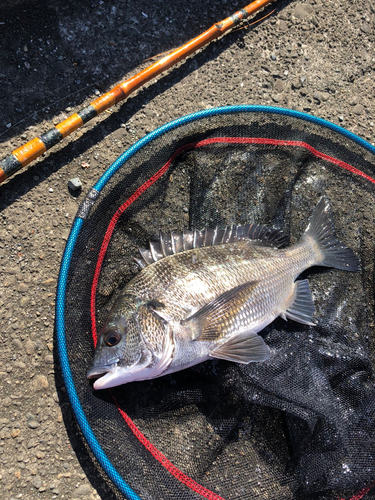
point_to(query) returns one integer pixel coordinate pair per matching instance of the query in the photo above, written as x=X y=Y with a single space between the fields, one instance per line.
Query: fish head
x=135 y=343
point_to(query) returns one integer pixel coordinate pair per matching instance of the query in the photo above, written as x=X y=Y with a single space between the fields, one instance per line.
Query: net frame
x=95 y=446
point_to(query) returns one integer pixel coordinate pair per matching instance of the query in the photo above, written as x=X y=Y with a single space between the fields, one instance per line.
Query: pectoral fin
x=245 y=348
x=302 y=307
x=213 y=321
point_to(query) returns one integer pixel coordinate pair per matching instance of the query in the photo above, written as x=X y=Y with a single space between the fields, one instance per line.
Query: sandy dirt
x=56 y=57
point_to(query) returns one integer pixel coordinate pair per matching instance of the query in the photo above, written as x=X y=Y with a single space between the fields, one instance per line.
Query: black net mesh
x=299 y=426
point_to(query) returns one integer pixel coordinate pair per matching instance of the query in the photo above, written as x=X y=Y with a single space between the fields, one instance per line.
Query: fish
x=207 y=294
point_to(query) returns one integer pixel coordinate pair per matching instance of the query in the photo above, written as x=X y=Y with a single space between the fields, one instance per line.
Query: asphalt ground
x=55 y=58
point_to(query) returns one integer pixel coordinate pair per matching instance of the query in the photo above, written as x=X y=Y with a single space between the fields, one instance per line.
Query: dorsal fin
x=173 y=243
x=165 y=244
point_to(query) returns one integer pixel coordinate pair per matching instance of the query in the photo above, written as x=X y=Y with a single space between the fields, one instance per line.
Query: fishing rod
x=25 y=154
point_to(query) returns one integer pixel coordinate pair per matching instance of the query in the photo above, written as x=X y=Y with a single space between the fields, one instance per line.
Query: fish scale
x=207 y=294
x=242 y=262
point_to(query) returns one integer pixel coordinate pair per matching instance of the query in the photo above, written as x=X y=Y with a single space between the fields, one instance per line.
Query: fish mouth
x=102 y=375
x=106 y=376
x=102 y=372
x=112 y=375
x=98 y=371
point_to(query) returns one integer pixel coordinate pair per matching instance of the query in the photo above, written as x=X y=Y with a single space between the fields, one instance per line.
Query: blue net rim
x=86 y=429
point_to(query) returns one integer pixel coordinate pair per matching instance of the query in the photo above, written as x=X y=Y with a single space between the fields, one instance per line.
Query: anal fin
x=244 y=348
x=302 y=307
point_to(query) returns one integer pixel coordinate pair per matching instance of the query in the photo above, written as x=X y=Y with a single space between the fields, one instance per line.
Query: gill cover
x=143 y=351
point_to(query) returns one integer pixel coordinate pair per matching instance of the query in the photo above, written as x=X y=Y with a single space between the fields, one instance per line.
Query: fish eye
x=112 y=338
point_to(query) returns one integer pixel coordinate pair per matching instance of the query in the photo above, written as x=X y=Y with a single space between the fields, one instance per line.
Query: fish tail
x=329 y=250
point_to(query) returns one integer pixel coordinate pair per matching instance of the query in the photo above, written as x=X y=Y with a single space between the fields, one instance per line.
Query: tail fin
x=322 y=230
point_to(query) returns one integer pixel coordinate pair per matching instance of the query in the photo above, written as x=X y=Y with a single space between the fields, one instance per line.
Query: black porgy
x=207 y=294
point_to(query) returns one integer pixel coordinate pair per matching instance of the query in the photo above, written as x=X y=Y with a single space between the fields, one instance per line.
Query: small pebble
x=358 y=109
x=30 y=347
x=17 y=343
x=317 y=97
x=15 y=433
x=366 y=28
x=49 y=282
x=32 y=422
x=296 y=84
x=302 y=10
x=341 y=118
x=40 y=383
x=20 y=364
x=48 y=359
x=50 y=190
x=82 y=490
x=282 y=25
x=37 y=482
x=23 y=287
x=74 y=184
x=278 y=86
x=32 y=443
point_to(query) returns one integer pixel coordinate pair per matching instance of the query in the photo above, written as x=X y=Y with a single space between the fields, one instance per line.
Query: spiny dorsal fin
x=187 y=240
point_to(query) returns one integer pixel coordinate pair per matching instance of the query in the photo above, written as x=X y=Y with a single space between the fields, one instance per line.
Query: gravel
x=311 y=55
x=74 y=184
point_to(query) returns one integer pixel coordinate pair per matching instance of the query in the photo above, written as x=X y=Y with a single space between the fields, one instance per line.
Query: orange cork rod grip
x=3 y=175
x=29 y=151
x=69 y=125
